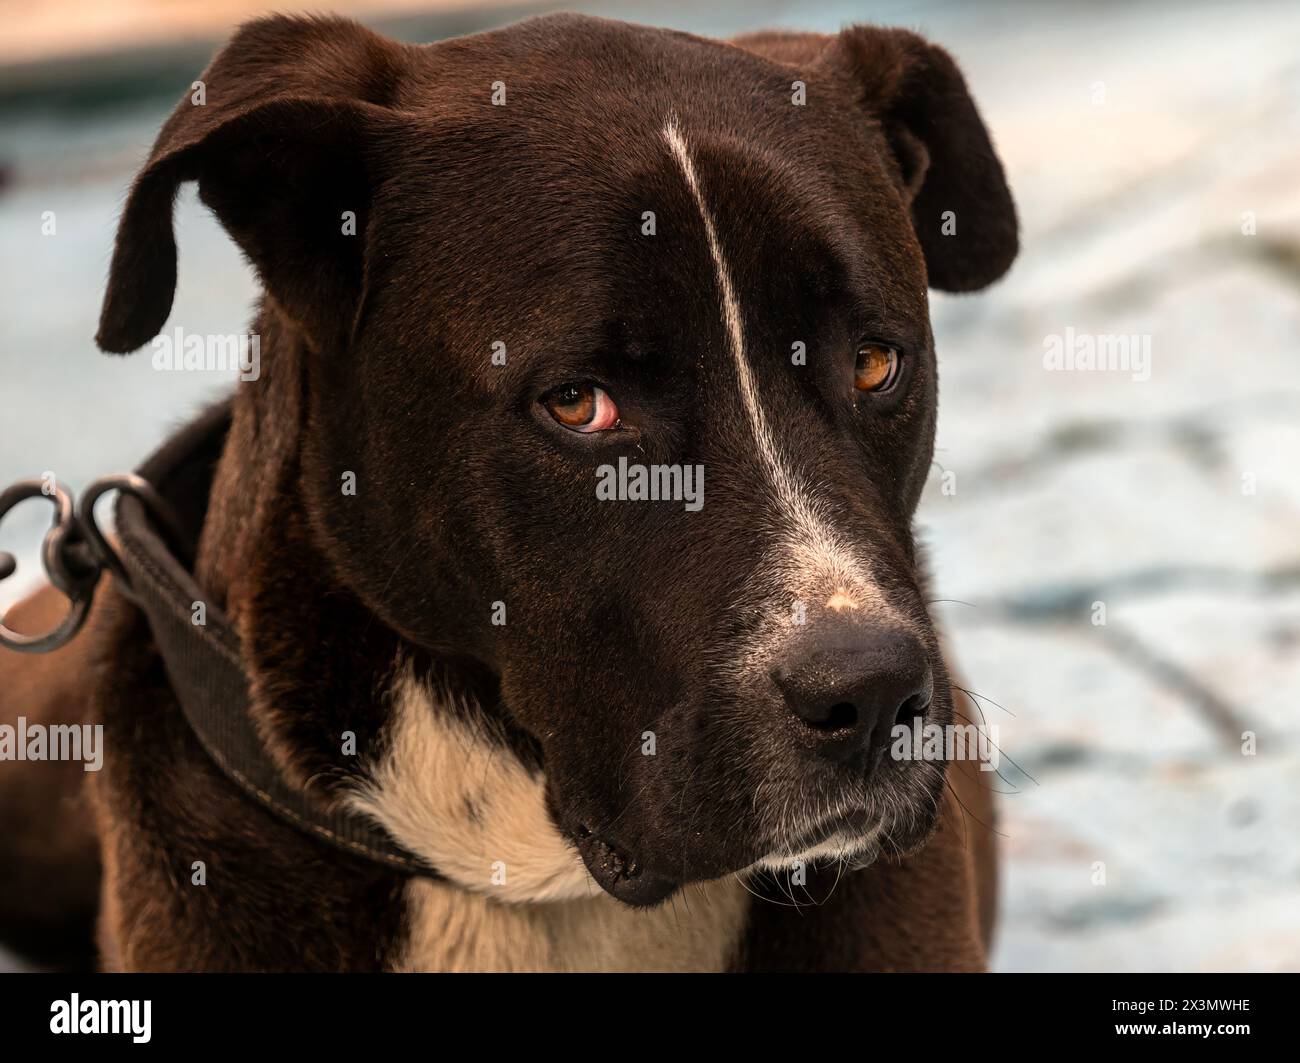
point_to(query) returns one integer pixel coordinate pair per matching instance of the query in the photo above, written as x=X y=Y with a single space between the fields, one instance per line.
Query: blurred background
x=1121 y=556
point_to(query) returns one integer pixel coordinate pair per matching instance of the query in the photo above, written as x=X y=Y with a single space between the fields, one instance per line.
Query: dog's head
x=548 y=272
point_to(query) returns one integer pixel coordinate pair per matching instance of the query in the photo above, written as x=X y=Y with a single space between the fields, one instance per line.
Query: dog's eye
x=878 y=367
x=582 y=407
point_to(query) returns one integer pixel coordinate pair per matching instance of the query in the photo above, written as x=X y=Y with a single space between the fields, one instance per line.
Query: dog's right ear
x=279 y=133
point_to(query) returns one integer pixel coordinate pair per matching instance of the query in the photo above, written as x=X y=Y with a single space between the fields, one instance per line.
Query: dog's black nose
x=850 y=694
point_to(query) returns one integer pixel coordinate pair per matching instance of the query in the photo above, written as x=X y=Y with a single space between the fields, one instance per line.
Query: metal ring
x=75 y=581
x=158 y=507
x=75 y=551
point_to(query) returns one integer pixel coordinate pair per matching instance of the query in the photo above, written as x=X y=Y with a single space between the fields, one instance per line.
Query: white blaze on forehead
x=816 y=555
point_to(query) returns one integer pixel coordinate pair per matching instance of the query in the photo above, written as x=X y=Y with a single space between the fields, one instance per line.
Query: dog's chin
x=620 y=874
x=629 y=880
x=855 y=841
x=855 y=851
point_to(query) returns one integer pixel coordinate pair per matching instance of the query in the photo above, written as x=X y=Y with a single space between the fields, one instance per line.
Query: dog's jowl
x=459 y=520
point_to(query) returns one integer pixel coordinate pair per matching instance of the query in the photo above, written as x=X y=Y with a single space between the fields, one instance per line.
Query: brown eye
x=877 y=367
x=582 y=407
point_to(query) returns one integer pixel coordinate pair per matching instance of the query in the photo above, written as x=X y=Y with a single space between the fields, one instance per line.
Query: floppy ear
x=278 y=135
x=943 y=152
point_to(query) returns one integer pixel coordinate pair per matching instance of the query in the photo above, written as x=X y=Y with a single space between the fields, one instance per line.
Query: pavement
x=1116 y=551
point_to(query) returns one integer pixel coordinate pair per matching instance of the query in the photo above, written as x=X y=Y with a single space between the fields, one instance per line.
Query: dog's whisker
x=973 y=694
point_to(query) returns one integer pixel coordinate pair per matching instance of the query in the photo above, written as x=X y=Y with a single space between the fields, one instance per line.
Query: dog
x=630 y=733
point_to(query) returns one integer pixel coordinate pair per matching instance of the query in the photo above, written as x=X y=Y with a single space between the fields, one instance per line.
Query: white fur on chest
x=455 y=930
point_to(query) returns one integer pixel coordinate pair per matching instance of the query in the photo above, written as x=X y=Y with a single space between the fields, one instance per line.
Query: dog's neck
x=313 y=661
x=256 y=468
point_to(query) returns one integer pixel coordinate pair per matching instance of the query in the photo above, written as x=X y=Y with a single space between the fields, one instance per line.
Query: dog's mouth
x=618 y=873
x=626 y=878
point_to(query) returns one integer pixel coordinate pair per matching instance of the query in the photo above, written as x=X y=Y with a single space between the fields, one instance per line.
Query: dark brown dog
x=495 y=268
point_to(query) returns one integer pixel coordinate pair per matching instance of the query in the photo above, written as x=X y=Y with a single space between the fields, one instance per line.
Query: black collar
x=203 y=662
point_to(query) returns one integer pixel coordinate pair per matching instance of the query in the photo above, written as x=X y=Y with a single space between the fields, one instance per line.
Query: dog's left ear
x=961 y=206
x=280 y=134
